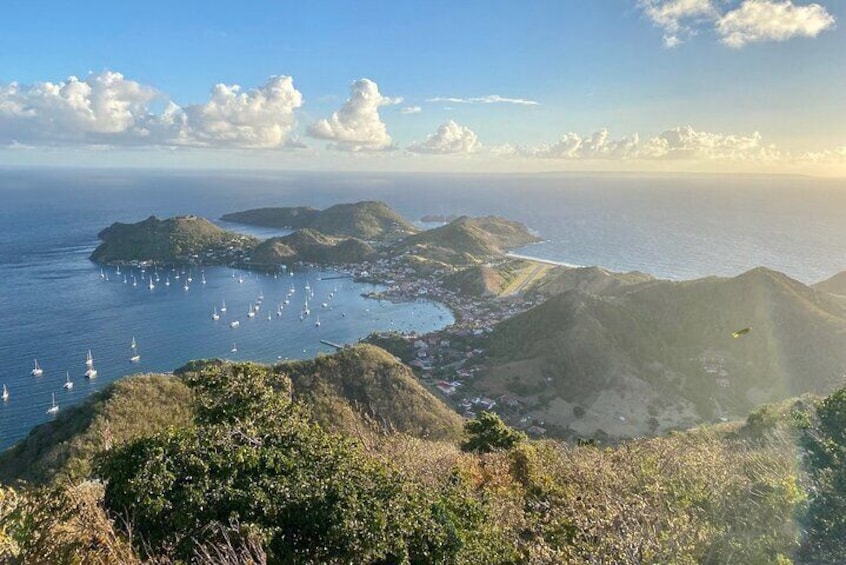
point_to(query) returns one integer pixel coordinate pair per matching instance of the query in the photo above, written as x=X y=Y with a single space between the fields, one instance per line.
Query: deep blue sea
x=55 y=305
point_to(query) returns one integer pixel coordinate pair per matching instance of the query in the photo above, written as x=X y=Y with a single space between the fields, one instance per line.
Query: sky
x=557 y=85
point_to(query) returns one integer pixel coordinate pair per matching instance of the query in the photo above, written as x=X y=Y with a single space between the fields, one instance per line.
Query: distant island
x=344 y=234
x=368 y=220
x=183 y=239
x=438 y=218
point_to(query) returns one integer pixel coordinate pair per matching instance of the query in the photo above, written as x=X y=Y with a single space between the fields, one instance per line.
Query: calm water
x=55 y=306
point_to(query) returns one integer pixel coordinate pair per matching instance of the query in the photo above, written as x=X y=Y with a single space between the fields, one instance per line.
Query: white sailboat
x=234 y=324
x=5 y=394
x=133 y=348
x=223 y=306
x=37 y=371
x=234 y=348
x=90 y=372
x=317 y=323
x=55 y=407
x=151 y=286
x=68 y=383
x=215 y=315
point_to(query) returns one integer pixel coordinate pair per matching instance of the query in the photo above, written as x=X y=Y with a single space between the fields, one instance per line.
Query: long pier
x=330 y=344
x=336 y=277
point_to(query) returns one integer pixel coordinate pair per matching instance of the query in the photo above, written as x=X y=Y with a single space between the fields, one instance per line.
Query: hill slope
x=309 y=246
x=665 y=350
x=370 y=220
x=593 y=280
x=833 y=285
x=367 y=381
x=467 y=240
x=165 y=241
x=129 y=408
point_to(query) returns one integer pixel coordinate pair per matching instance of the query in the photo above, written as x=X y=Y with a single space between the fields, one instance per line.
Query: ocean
x=56 y=305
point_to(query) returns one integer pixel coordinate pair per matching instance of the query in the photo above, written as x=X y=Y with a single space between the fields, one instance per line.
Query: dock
x=330 y=344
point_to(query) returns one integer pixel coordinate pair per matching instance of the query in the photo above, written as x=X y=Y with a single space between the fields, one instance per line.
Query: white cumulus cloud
x=678 y=18
x=489 y=99
x=450 y=138
x=749 y=21
x=771 y=20
x=827 y=156
x=357 y=126
x=108 y=109
x=86 y=110
x=680 y=143
x=687 y=143
x=263 y=117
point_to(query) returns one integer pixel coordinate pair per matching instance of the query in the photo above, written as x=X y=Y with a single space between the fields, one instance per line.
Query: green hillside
x=367 y=381
x=129 y=408
x=368 y=220
x=309 y=246
x=593 y=280
x=179 y=239
x=253 y=481
x=661 y=354
x=467 y=240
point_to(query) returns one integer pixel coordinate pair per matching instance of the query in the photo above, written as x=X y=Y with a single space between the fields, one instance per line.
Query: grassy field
x=532 y=272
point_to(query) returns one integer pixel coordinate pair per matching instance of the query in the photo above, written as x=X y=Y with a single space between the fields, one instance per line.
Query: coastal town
x=448 y=361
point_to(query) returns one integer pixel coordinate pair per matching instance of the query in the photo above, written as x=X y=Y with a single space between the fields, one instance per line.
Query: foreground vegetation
x=244 y=473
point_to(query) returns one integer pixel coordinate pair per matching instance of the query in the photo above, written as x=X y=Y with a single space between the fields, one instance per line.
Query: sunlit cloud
x=836 y=156
x=357 y=126
x=489 y=99
x=449 y=139
x=766 y=20
x=108 y=109
x=752 y=21
x=89 y=110
x=678 y=18
x=263 y=117
x=680 y=143
x=411 y=110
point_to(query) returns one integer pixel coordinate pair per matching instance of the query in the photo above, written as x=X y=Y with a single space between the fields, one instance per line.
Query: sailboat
x=167 y=280
x=37 y=371
x=90 y=372
x=215 y=315
x=203 y=278
x=133 y=347
x=68 y=383
x=223 y=306
x=5 y=394
x=317 y=323
x=55 y=407
x=234 y=348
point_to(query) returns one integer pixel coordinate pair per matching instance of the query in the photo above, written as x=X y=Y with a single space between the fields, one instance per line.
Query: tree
x=256 y=469
x=489 y=433
x=824 y=441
